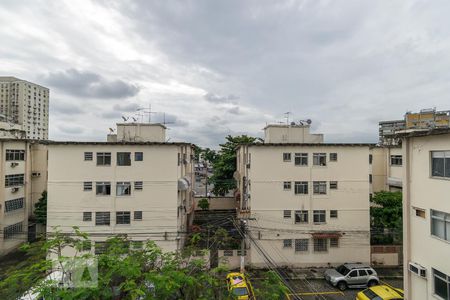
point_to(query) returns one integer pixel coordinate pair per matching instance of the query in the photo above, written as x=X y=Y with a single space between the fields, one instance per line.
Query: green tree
x=225 y=164
x=386 y=217
x=203 y=204
x=40 y=209
x=273 y=287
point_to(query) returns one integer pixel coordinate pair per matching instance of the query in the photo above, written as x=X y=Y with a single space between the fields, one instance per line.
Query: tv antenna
x=287 y=116
x=148 y=111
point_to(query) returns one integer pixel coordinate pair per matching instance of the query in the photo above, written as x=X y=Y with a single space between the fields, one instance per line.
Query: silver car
x=352 y=275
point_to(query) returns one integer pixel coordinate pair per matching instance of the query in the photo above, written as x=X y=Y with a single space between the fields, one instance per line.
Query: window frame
x=138 y=185
x=318 y=187
x=334 y=214
x=301 y=158
x=333 y=156
x=334 y=242
x=445 y=169
x=396 y=160
x=102 y=214
x=445 y=219
x=136 y=214
x=14 y=180
x=88 y=156
x=13 y=205
x=123 y=159
x=287 y=185
x=104 y=184
x=322 y=246
x=287 y=243
x=444 y=278
x=124 y=185
x=87 y=216
x=319 y=213
x=333 y=185
x=123 y=216
x=301 y=217
x=102 y=159
x=87 y=186
x=318 y=157
x=287 y=156
x=14 y=155
x=139 y=156
x=287 y=214
x=301 y=245
x=301 y=187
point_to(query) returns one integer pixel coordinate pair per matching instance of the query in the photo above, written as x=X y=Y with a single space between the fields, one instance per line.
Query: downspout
x=406 y=217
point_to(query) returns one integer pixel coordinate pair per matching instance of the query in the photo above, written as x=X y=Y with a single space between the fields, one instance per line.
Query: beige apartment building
x=136 y=184
x=23 y=167
x=426 y=213
x=307 y=202
x=387 y=168
x=26 y=104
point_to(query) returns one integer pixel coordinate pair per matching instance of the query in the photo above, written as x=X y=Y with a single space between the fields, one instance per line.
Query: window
x=287 y=243
x=333 y=185
x=87 y=186
x=440 y=163
x=138 y=215
x=353 y=273
x=138 y=156
x=103 y=158
x=87 y=216
x=14 y=204
x=320 y=245
x=334 y=243
x=123 y=217
x=441 y=284
x=320 y=187
x=419 y=212
x=370 y=178
x=102 y=218
x=301 y=159
x=301 y=245
x=301 y=187
x=333 y=156
x=227 y=252
x=241 y=253
x=319 y=216
x=12 y=230
x=301 y=216
x=138 y=185
x=14 y=180
x=440 y=224
x=333 y=213
x=123 y=158
x=103 y=188
x=286 y=156
x=319 y=159
x=287 y=214
x=287 y=185
x=123 y=188
x=396 y=160
x=15 y=154
x=370 y=159
x=87 y=155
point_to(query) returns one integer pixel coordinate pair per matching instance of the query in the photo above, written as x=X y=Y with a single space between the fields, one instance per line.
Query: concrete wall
x=141 y=132
x=290 y=134
x=164 y=207
x=268 y=200
x=424 y=192
x=217 y=203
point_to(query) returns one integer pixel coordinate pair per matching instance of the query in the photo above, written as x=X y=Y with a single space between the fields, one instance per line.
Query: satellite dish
x=308 y=121
x=111 y=130
x=125 y=118
x=134 y=119
x=292 y=123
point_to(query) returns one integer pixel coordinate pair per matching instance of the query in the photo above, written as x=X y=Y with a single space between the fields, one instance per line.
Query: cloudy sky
x=229 y=67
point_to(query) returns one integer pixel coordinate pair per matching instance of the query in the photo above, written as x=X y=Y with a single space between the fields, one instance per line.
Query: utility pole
x=244 y=237
x=205 y=165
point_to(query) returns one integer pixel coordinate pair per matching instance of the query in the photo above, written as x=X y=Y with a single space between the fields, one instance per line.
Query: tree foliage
x=386 y=216
x=203 y=204
x=225 y=164
x=40 y=209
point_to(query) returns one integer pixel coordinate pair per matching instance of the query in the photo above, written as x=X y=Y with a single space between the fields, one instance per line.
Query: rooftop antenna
x=147 y=110
x=164 y=119
x=287 y=116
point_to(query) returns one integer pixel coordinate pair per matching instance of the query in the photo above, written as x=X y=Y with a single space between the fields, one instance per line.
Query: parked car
x=238 y=286
x=380 y=292
x=352 y=275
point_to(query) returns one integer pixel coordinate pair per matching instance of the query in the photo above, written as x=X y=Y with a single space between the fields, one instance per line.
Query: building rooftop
x=142 y=124
x=50 y=142
x=311 y=144
x=407 y=133
x=12 y=78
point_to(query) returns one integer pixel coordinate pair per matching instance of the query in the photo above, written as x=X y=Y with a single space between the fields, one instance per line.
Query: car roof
x=356 y=266
x=385 y=291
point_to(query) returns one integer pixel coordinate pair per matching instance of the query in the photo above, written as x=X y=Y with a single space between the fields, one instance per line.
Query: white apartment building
x=307 y=203
x=387 y=171
x=26 y=104
x=426 y=213
x=23 y=167
x=136 y=184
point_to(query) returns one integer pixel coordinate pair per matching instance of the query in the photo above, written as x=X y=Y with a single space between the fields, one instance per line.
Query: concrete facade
x=426 y=213
x=386 y=168
x=26 y=104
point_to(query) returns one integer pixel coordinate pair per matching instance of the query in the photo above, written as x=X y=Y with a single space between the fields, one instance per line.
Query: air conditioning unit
x=14 y=164
x=14 y=189
x=418 y=269
x=35 y=174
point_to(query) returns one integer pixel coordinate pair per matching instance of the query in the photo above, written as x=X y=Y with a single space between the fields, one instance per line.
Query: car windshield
x=371 y=295
x=240 y=291
x=343 y=270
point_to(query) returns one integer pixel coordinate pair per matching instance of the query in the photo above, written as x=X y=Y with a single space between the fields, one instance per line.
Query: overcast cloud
x=229 y=67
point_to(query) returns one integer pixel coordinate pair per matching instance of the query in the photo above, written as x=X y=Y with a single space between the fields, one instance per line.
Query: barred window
x=333 y=156
x=287 y=214
x=301 y=216
x=88 y=155
x=138 y=156
x=319 y=216
x=103 y=158
x=138 y=215
x=123 y=188
x=320 y=245
x=15 y=154
x=333 y=213
x=370 y=158
x=301 y=187
x=301 y=159
x=87 y=216
x=138 y=185
x=12 y=230
x=396 y=160
x=287 y=185
x=333 y=185
x=287 y=243
x=103 y=188
x=319 y=159
x=227 y=252
x=123 y=217
x=14 y=180
x=123 y=158
x=334 y=242
x=14 y=204
x=286 y=156
x=320 y=187
x=87 y=186
x=102 y=218
x=301 y=245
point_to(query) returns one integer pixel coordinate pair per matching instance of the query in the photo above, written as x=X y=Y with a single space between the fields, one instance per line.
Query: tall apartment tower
x=26 y=104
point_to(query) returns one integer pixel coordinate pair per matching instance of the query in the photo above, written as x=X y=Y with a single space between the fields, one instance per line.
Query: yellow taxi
x=380 y=292
x=237 y=286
